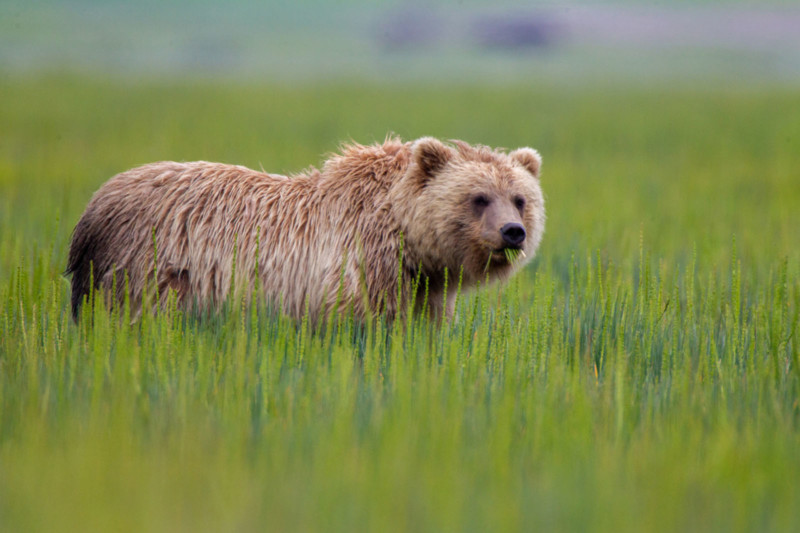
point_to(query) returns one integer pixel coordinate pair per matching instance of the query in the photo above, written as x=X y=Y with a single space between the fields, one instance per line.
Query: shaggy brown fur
x=325 y=240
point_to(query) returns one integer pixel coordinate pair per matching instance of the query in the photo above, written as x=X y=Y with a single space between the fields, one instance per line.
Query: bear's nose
x=513 y=233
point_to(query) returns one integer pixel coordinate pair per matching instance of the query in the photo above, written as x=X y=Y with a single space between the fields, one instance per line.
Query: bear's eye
x=480 y=201
x=519 y=202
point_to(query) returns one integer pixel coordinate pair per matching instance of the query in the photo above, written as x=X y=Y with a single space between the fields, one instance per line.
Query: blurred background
x=660 y=113
x=400 y=40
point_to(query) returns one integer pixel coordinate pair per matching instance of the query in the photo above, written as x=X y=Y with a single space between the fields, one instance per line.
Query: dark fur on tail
x=88 y=260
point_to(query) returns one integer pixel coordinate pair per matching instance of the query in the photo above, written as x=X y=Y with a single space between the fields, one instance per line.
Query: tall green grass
x=642 y=374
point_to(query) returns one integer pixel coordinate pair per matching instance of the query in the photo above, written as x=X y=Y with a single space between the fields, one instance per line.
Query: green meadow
x=642 y=374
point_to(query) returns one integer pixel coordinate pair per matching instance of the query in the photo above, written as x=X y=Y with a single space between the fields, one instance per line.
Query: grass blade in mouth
x=512 y=254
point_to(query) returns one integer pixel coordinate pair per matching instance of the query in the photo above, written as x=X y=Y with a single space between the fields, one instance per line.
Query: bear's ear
x=528 y=158
x=430 y=156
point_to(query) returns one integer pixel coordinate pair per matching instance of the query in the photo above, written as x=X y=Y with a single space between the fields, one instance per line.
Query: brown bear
x=377 y=228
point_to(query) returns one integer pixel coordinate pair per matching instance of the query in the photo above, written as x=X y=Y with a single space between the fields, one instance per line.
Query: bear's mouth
x=506 y=254
x=498 y=255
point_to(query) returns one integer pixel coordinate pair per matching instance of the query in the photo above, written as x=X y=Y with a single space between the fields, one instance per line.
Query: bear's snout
x=513 y=233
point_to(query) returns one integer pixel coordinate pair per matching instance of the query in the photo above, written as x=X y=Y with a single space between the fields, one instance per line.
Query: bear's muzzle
x=513 y=234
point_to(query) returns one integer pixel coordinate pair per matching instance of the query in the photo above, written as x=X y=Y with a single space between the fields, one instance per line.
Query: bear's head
x=471 y=209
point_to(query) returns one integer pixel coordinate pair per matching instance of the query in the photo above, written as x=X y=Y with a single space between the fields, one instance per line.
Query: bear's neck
x=427 y=286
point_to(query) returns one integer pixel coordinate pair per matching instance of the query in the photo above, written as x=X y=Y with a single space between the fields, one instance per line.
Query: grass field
x=643 y=374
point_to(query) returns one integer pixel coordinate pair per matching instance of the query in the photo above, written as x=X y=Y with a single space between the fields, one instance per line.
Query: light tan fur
x=322 y=241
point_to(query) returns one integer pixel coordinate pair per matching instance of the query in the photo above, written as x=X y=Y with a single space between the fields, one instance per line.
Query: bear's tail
x=87 y=262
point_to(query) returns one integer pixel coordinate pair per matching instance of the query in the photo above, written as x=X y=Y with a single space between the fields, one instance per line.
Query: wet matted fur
x=318 y=242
